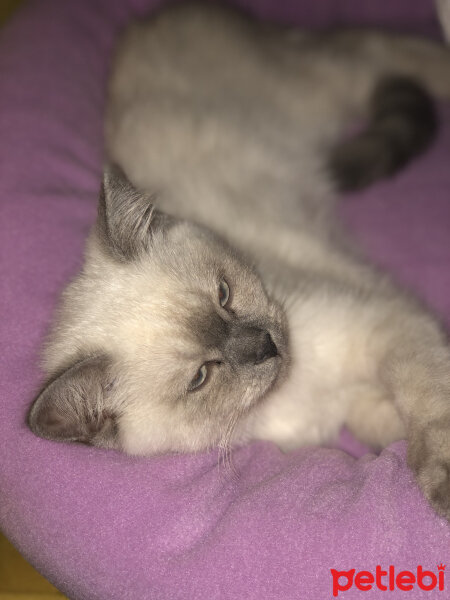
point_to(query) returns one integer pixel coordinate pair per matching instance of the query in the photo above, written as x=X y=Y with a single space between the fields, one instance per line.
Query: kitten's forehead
x=191 y=260
x=198 y=253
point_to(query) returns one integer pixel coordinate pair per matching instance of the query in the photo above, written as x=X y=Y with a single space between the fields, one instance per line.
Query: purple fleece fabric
x=101 y=525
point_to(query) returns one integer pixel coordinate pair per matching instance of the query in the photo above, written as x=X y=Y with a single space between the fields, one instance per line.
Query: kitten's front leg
x=416 y=369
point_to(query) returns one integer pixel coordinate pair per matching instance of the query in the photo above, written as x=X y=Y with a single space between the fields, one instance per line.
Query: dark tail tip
x=402 y=124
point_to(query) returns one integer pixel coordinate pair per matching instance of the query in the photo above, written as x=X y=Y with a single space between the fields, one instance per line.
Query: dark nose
x=249 y=345
x=266 y=350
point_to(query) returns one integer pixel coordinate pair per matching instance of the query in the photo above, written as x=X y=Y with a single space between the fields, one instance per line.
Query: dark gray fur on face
x=230 y=134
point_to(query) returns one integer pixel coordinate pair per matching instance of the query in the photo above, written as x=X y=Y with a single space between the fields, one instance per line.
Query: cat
x=219 y=300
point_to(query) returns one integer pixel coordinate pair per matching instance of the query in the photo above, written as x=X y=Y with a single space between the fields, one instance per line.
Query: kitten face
x=165 y=340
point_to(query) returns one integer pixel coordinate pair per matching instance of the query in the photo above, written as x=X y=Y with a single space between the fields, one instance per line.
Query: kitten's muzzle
x=250 y=345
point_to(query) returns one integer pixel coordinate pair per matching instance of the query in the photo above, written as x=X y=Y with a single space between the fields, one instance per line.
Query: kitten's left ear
x=74 y=406
x=127 y=217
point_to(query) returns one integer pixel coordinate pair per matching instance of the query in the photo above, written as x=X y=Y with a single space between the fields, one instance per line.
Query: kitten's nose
x=249 y=345
x=266 y=350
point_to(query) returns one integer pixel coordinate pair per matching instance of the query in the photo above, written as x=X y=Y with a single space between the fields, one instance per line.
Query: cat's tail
x=402 y=123
x=398 y=76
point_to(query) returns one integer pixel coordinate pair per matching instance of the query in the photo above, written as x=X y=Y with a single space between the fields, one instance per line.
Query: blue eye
x=224 y=293
x=199 y=378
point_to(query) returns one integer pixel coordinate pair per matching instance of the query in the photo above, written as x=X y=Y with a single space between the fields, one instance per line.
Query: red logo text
x=388 y=580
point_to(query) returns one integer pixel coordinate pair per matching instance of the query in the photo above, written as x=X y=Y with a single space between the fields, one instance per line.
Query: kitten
x=219 y=301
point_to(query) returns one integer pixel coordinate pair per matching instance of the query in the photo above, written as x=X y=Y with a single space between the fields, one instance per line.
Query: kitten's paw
x=435 y=483
x=429 y=457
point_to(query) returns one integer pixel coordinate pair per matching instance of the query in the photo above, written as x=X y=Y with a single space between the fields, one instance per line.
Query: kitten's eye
x=200 y=378
x=224 y=293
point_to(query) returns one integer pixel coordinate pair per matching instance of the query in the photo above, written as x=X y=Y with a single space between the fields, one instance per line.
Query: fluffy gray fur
x=227 y=123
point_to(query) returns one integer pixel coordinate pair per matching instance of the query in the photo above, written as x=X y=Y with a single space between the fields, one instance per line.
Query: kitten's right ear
x=127 y=217
x=74 y=405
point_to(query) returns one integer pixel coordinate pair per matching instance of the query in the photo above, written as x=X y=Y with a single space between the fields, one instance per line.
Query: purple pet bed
x=101 y=525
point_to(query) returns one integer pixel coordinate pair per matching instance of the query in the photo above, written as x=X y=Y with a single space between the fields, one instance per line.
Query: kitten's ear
x=126 y=216
x=73 y=406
